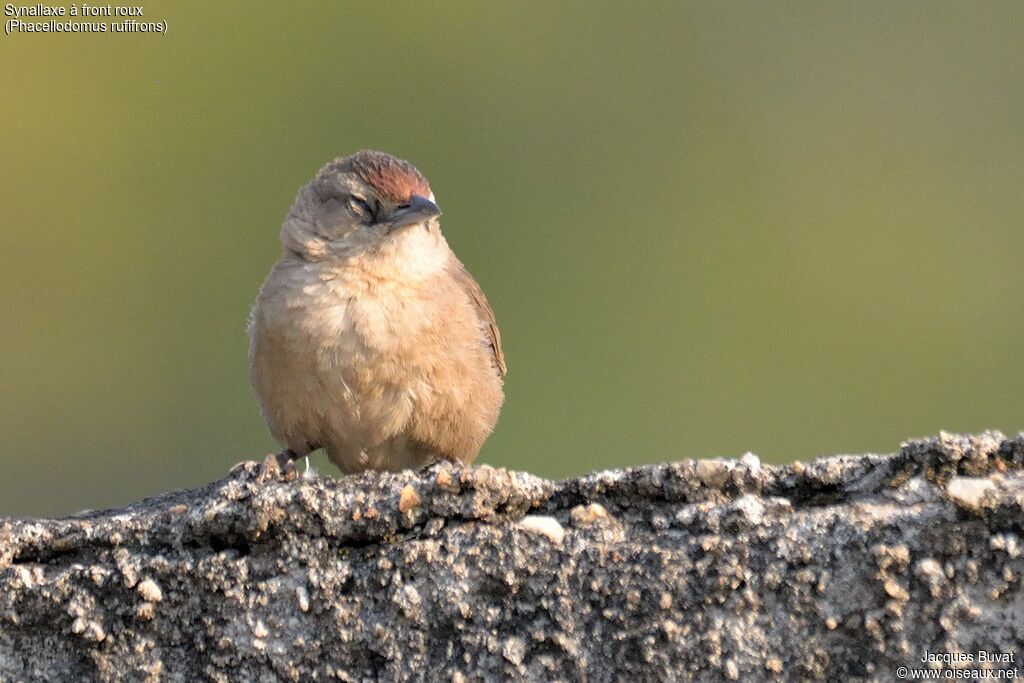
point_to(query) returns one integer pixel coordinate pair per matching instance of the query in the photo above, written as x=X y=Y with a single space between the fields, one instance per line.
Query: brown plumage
x=370 y=338
x=483 y=309
x=392 y=178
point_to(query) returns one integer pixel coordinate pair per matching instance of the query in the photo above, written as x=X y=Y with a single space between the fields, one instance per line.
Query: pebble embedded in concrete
x=149 y=590
x=970 y=492
x=545 y=526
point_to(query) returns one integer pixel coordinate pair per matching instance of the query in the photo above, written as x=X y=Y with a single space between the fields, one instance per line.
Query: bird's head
x=359 y=204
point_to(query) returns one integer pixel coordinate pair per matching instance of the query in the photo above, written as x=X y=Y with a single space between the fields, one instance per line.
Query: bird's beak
x=417 y=210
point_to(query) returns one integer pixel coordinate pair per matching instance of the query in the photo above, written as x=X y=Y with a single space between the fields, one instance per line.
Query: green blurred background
x=792 y=228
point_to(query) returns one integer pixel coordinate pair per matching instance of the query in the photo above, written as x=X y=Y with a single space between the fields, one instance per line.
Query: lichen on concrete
x=845 y=568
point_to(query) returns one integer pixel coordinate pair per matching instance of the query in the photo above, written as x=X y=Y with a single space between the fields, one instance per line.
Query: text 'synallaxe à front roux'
x=79 y=18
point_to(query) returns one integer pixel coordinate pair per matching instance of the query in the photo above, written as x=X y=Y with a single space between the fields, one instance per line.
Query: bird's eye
x=360 y=209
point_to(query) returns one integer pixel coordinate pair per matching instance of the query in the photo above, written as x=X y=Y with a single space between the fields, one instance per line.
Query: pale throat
x=412 y=255
x=416 y=252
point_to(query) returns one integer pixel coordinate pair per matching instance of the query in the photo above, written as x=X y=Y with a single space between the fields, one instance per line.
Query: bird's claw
x=277 y=466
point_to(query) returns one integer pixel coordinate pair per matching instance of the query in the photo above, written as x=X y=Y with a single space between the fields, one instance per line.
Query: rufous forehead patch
x=394 y=179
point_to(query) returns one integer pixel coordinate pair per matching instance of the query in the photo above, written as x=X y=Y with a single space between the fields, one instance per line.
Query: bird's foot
x=278 y=466
x=431 y=461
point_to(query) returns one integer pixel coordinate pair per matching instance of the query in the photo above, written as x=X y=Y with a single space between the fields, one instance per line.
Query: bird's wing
x=484 y=311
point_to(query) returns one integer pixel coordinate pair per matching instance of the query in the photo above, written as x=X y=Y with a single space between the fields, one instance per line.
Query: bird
x=369 y=338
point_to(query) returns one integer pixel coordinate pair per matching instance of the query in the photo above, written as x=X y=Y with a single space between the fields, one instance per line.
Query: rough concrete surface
x=842 y=569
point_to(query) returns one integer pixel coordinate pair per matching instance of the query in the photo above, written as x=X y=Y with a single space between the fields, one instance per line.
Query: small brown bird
x=369 y=338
